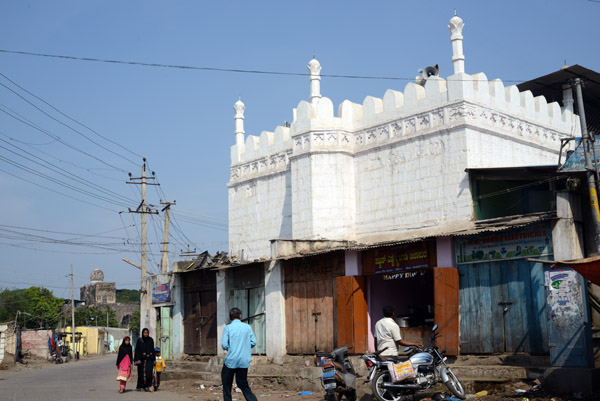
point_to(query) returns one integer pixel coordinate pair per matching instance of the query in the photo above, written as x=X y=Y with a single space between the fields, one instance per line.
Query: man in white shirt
x=387 y=334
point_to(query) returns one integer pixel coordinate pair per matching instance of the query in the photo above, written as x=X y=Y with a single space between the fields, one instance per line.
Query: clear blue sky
x=182 y=120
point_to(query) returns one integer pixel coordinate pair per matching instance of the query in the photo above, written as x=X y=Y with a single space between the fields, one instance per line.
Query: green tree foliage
x=134 y=322
x=95 y=316
x=41 y=305
x=128 y=296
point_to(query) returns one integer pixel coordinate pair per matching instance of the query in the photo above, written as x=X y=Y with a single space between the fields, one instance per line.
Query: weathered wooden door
x=251 y=302
x=445 y=300
x=208 y=322
x=503 y=307
x=191 y=323
x=309 y=314
x=352 y=313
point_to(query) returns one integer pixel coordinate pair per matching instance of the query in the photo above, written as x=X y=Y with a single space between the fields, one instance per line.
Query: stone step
x=510 y=360
x=497 y=372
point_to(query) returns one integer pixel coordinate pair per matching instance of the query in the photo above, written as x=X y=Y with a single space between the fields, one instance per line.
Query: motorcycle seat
x=331 y=364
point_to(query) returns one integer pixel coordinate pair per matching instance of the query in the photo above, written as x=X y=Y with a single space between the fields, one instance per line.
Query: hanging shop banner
x=161 y=293
x=514 y=244
x=405 y=257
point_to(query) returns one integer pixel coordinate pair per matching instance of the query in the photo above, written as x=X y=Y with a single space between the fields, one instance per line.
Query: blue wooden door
x=252 y=302
x=503 y=307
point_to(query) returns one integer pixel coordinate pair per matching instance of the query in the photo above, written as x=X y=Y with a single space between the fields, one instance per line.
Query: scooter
x=338 y=376
x=423 y=369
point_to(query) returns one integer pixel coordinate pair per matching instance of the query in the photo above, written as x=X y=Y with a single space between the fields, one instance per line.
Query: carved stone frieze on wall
x=437 y=118
x=331 y=139
x=424 y=122
x=371 y=136
x=410 y=126
x=271 y=164
x=383 y=133
x=318 y=139
x=396 y=128
x=464 y=111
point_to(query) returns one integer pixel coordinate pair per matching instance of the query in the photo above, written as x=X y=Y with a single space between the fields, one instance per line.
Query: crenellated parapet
x=462 y=99
x=430 y=105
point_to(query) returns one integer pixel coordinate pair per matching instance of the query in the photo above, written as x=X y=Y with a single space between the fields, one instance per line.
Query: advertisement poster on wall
x=528 y=242
x=161 y=293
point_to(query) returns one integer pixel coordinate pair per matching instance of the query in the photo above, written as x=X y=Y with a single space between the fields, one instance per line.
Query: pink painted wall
x=36 y=341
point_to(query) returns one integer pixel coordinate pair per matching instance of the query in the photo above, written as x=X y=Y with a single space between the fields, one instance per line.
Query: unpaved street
x=93 y=379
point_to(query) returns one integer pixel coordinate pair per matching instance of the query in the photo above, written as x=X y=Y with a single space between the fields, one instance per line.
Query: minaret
x=458 y=59
x=568 y=97
x=239 y=122
x=314 y=68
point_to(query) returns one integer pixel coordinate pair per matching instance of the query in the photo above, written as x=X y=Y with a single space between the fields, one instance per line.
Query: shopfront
x=502 y=294
x=422 y=294
x=247 y=292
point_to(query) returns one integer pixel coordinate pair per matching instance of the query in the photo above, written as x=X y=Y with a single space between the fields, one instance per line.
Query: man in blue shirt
x=238 y=340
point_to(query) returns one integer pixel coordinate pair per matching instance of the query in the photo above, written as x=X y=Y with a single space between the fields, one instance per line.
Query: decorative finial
x=314 y=69
x=455 y=12
x=458 y=59
x=314 y=56
x=239 y=108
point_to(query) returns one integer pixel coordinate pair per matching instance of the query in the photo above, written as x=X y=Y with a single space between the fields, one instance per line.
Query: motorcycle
x=56 y=356
x=338 y=375
x=429 y=366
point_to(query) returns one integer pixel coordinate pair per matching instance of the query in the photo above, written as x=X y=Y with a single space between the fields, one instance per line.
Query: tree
x=128 y=296
x=42 y=306
x=95 y=316
x=134 y=322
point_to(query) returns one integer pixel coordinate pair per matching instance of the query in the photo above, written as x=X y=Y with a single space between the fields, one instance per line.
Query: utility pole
x=590 y=169
x=188 y=254
x=72 y=314
x=143 y=209
x=164 y=262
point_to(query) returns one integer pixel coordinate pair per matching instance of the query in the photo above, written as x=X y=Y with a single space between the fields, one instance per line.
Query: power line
x=70 y=118
x=77 y=178
x=66 y=125
x=59 y=182
x=57 y=138
x=60 y=193
x=217 y=69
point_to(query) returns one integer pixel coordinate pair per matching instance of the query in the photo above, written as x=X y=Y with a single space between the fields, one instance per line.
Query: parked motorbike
x=56 y=357
x=429 y=367
x=338 y=376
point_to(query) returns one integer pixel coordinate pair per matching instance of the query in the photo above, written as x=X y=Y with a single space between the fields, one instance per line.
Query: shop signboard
x=405 y=257
x=161 y=293
x=528 y=242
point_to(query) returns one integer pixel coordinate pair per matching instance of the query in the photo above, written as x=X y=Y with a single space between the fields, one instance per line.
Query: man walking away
x=387 y=334
x=238 y=340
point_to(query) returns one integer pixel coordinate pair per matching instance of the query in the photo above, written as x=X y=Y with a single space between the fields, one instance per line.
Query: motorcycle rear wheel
x=383 y=394
x=454 y=385
x=330 y=396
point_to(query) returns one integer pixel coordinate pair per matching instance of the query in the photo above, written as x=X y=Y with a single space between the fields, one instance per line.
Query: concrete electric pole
x=143 y=209
x=72 y=314
x=164 y=262
x=590 y=169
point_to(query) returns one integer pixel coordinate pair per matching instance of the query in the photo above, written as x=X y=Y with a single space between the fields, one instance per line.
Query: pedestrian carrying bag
x=401 y=371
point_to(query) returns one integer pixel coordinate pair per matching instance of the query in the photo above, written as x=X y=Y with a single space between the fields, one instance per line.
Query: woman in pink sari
x=124 y=361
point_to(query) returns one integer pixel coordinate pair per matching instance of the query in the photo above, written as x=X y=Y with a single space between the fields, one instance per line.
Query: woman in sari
x=124 y=361
x=144 y=359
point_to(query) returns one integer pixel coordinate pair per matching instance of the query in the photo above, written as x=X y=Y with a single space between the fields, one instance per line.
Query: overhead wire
x=66 y=125
x=60 y=182
x=200 y=68
x=51 y=135
x=71 y=118
x=60 y=193
x=64 y=172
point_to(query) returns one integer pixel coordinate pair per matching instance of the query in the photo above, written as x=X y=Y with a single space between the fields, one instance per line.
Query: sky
x=72 y=130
